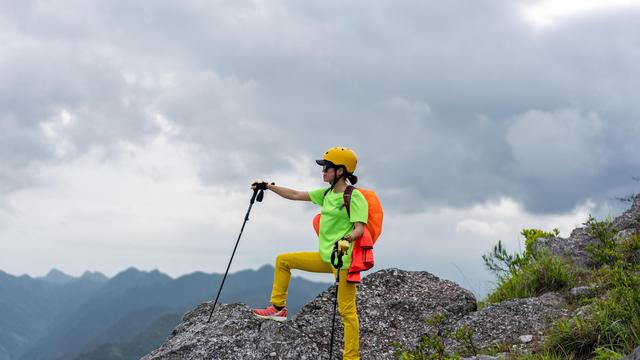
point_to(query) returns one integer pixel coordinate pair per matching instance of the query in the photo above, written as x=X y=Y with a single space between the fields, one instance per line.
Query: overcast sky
x=129 y=132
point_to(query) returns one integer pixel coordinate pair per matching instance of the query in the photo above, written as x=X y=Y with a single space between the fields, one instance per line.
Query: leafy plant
x=541 y=274
x=432 y=345
x=603 y=353
x=528 y=274
x=464 y=336
x=614 y=323
x=531 y=235
x=612 y=326
x=540 y=356
x=630 y=249
x=499 y=261
x=605 y=251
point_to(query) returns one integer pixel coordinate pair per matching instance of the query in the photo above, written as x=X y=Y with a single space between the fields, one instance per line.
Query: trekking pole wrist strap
x=336 y=257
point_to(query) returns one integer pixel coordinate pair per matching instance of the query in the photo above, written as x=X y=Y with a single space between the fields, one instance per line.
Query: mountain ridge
x=43 y=319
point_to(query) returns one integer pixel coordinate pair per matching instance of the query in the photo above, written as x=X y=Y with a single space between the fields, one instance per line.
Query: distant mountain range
x=92 y=317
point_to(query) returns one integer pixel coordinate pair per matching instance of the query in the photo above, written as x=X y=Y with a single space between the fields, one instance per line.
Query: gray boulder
x=635 y=355
x=232 y=334
x=517 y=323
x=630 y=219
x=572 y=249
x=581 y=292
x=624 y=234
x=392 y=307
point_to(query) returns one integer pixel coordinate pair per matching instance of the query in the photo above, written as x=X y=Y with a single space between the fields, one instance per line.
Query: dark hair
x=352 y=178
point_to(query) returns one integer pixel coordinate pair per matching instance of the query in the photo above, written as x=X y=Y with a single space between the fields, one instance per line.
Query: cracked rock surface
x=630 y=218
x=392 y=306
x=574 y=248
x=517 y=322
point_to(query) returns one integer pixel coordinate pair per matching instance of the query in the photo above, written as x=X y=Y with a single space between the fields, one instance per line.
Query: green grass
x=605 y=252
x=540 y=356
x=432 y=344
x=531 y=273
x=539 y=275
x=607 y=354
x=613 y=328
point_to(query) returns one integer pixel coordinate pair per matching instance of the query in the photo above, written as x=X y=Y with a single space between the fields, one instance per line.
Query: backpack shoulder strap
x=347 y=198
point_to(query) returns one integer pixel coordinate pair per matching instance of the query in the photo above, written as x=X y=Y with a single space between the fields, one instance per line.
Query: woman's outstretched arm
x=287 y=193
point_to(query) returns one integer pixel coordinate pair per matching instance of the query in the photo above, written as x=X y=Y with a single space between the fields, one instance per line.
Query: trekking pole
x=258 y=195
x=336 y=253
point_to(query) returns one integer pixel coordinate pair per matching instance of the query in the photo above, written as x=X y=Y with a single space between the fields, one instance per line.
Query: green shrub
x=602 y=353
x=528 y=274
x=499 y=261
x=630 y=249
x=540 y=274
x=432 y=345
x=531 y=235
x=575 y=336
x=614 y=323
x=540 y=356
x=612 y=326
x=605 y=251
x=503 y=264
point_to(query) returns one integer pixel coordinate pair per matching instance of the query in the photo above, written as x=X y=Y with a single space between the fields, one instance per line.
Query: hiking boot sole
x=274 y=318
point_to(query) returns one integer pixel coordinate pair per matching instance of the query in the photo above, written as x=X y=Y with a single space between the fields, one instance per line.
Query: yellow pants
x=311 y=261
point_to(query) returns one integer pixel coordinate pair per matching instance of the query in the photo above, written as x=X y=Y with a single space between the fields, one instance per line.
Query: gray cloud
x=447 y=103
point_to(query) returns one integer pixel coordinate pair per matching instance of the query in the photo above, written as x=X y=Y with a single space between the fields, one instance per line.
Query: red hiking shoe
x=271 y=313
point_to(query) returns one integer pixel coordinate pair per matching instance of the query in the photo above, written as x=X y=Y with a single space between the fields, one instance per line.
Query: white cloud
x=549 y=12
x=166 y=126
x=478 y=227
x=55 y=132
x=145 y=206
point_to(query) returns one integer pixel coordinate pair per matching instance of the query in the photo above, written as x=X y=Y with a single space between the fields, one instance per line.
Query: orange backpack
x=374 y=222
x=375 y=213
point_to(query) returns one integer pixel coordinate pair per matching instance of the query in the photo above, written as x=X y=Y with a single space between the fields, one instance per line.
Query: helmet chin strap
x=334 y=182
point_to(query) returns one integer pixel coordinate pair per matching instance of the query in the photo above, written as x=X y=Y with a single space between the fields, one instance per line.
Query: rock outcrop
x=392 y=306
x=630 y=219
x=574 y=248
x=518 y=323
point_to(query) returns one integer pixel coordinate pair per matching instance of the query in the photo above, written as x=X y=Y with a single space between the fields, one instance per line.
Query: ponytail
x=352 y=179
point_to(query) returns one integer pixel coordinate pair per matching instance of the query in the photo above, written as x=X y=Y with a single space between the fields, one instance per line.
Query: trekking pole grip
x=263 y=186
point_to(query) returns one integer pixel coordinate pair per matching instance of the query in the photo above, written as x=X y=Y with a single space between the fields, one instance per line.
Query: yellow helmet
x=340 y=155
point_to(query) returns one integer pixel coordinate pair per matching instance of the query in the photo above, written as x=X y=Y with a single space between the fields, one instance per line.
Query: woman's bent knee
x=282 y=261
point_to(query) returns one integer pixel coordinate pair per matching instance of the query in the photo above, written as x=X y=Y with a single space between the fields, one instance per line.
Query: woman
x=338 y=165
